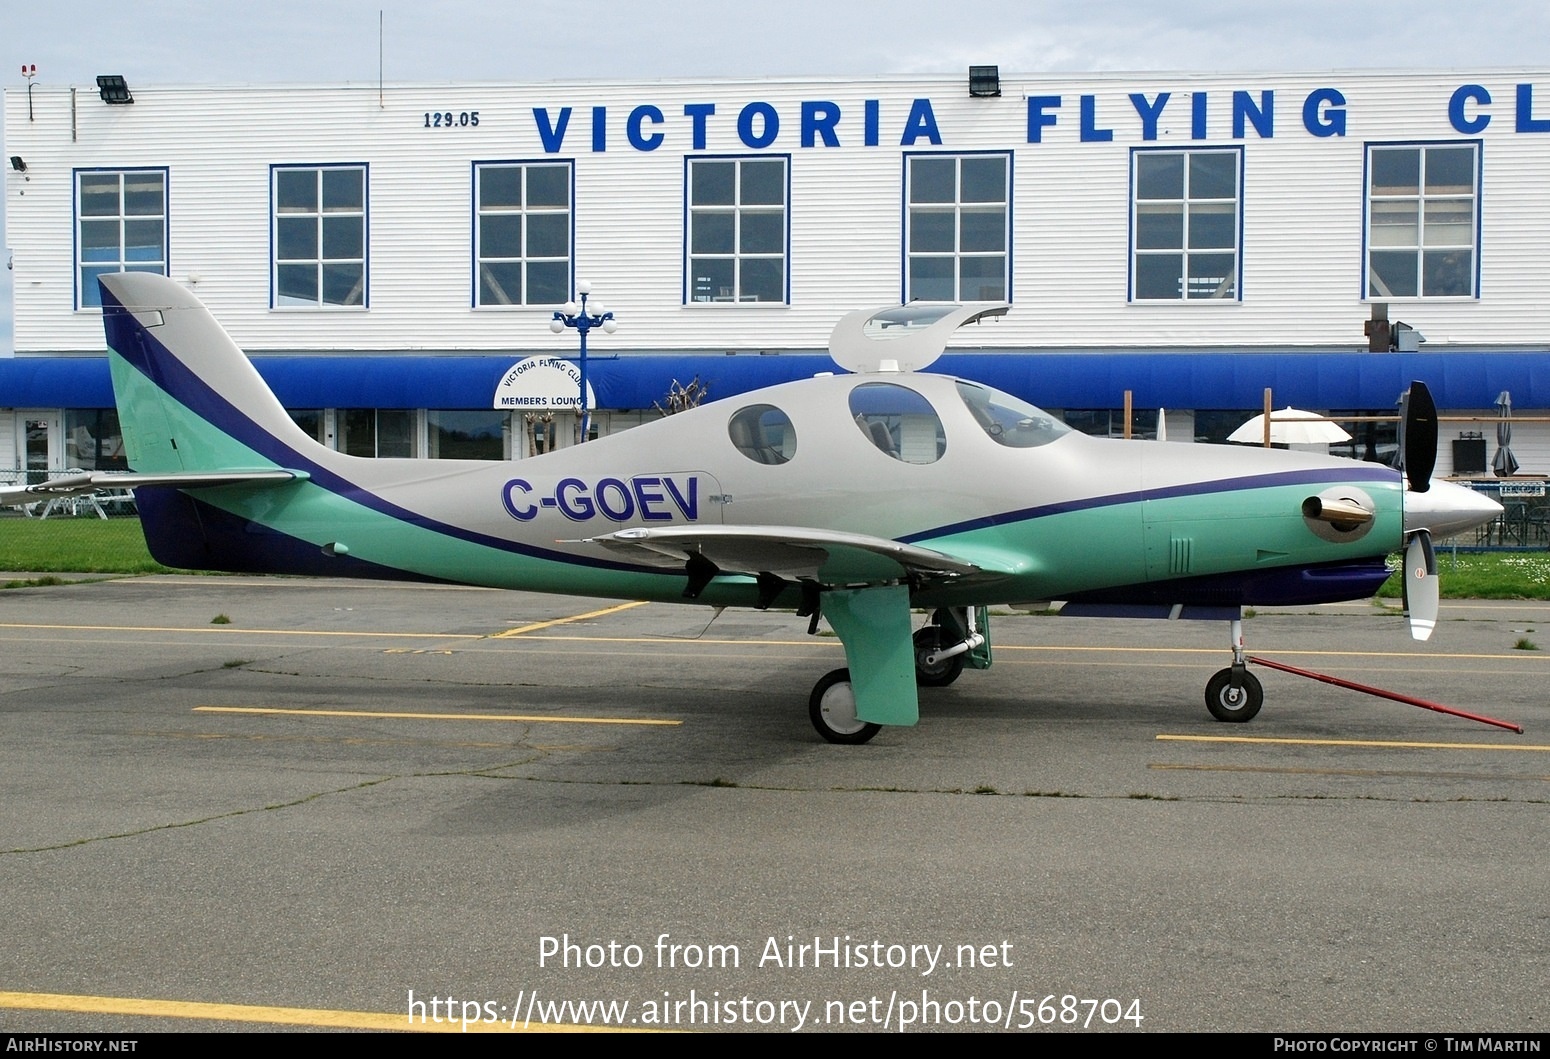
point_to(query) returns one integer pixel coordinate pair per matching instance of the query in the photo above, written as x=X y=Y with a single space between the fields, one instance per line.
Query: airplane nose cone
x=1446 y=509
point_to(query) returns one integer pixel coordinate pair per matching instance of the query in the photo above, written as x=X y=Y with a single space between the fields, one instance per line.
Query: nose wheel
x=1234 y=694
x=832 y=709
x=1235 y=700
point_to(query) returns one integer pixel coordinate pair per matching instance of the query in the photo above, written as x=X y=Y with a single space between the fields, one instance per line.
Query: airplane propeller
x=1417 y=458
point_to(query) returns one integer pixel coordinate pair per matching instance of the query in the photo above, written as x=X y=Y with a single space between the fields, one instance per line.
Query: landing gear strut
x=942 y=647
x=1234 y=694
x=832 y=709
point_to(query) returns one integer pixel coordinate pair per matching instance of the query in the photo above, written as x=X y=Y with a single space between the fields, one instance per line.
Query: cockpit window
x=1009 y=421
x=763 y=433
x=899 y=421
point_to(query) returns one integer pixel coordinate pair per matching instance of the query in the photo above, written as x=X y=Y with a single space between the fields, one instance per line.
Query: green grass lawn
x=93 y=545
x=75 y=545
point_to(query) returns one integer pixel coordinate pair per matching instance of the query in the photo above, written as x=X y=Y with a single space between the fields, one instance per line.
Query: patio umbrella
x=1291 y=426
x=1504 y=463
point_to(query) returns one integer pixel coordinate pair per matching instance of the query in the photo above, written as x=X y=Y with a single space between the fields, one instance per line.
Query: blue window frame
x=523 y=233
x=958 y=227
x=318 y=236
x=120 y=226
x=1422 y=233
x=736 y=229
x=1186 y=224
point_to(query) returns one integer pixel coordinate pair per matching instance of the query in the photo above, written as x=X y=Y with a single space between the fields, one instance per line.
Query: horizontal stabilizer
x=107 y=481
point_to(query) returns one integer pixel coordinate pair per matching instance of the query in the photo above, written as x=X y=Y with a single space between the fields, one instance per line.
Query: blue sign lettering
x=639 y=140
x=921 y=122
x=697 y=113
x=1149 y=112
x=1038 y=121
x=1459 y=118
x=1262 y=117
x=1526 y=120
x=1323 y=112
x=1090 y=131
x=551 y=135
x=1197 y=115
x=769 y=121
x=599 y=129
x=818 y=119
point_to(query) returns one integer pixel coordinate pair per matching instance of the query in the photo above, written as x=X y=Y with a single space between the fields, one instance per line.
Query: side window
x=522 y=233
x=1423 y=220
x=957 y=232
x=1185 y=237
x=763 y=433
x=1007 y=420
x=899 y=421
x=736 y=238
x=319 y=236
x=121 y=226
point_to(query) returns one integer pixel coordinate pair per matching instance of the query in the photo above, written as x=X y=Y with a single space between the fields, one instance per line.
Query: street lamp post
x=583 y=321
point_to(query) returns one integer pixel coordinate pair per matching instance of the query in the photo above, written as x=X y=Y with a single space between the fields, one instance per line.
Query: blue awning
x=1233 y=381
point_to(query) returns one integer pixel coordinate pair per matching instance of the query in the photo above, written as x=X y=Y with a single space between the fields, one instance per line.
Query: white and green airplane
x=861 y=496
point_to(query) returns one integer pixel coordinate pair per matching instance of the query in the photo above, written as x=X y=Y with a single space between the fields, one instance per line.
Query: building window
x=1185 y=230
x=957 y=231
x=473 y=434
x=736 y=229
x=1422 y=220
x=522 y=233
x=121 y=226
x=376 y=432
x=319 y=236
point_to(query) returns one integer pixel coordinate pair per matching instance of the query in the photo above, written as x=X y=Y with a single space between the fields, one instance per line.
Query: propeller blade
x=1418 y=437
x=1422 y=592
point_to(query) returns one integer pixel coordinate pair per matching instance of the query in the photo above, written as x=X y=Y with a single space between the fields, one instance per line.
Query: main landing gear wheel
x=1227 y=703
x=832 y=708
x=946 y=670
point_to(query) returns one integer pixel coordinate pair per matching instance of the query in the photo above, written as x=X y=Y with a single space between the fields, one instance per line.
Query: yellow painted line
x=233 y=629
x=519 y=630
x=321 y=1017
x=1389 y=773
x=539 y=719
x=1385 y=743
x=1526 y=656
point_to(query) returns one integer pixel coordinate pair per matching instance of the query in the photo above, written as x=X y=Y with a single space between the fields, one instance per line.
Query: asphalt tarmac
x=242 y=803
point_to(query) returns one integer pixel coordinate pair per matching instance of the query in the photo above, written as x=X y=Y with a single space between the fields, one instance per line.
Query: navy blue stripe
x=1321 y=476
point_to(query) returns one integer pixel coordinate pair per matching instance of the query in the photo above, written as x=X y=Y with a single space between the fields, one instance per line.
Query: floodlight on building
x=984 y=82
x=114 y=90
x=17 y=163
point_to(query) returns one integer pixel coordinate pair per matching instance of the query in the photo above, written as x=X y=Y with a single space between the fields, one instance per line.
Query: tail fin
x=192 y=406
x=188 y=398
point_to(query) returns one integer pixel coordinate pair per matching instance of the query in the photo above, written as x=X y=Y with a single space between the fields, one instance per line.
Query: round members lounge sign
x=542 y=384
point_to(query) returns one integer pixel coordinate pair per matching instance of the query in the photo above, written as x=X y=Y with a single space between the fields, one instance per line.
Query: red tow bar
x=1380 y=693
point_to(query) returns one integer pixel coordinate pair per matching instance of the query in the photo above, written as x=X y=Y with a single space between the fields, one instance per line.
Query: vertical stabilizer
x=188 y=397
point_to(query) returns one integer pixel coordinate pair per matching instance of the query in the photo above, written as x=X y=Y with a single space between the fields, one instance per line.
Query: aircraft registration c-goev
x=861 y=496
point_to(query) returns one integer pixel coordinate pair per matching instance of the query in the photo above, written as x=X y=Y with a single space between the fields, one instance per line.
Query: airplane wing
x=829 y=557
x=99 y=481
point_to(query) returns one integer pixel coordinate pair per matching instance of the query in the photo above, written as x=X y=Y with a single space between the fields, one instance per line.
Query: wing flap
x=830 y=557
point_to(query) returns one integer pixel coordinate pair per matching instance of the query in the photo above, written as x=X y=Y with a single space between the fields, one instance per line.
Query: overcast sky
x=216 y=42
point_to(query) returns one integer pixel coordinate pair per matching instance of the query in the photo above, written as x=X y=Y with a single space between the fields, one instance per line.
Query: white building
x=388 y=254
